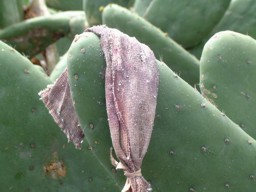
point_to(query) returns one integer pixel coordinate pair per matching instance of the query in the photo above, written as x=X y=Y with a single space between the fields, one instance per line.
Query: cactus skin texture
x=59 y=68
x=165 y=49
x=93 y=9
x=227 y=76
x=11 y=6
x=239 y=17
x=34 y=35
x=194 y=147
x=77 y=25
x=141 y=6
x=31 y=145
x=65 y=5
x=187 y=22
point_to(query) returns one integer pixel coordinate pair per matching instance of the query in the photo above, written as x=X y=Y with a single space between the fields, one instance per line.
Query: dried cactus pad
x=57 y=98
x=131 y=85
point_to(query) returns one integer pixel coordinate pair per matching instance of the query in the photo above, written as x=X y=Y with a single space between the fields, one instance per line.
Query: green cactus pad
x=93 y=9
x=34 y=35
x=15 y=8
x=141 y=6
x=228 y=67
x=187 y=22
x=59 y=68
x=65 y=5
x=34 y=154
x=194 y=146
x=165 y=49
x=239 y=17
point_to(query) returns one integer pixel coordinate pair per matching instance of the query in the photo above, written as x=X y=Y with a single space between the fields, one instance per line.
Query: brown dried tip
x=131 y=86
x=57 y=98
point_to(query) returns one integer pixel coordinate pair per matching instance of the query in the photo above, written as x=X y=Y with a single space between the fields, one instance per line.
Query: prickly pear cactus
x=227 y=73
x=165 y=49
x=239 y=17
x=201 y=141
x=34 y=35
x=93 y=9
x=7 y=7
x=183 y=20
x=65 y=5
x=34 y=155
x=59 y=68
x=200 y=148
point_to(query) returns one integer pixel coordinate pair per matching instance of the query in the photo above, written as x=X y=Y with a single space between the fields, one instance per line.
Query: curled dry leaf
x=57 y=98
x=131 y=86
